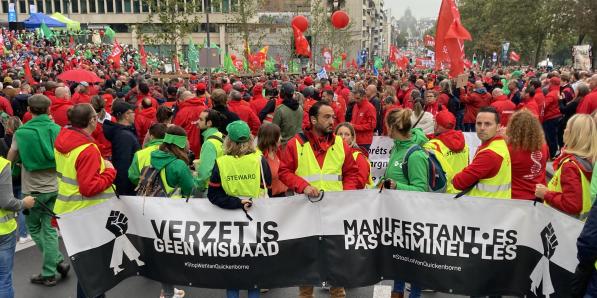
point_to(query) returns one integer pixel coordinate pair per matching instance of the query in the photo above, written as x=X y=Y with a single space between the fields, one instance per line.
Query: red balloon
x=300 y=22
x=340 y=19
x=343 y=56
x=233 y=57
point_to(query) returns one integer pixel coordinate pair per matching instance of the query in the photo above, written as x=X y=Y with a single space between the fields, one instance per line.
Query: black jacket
x=124 y=145
x=229 y=117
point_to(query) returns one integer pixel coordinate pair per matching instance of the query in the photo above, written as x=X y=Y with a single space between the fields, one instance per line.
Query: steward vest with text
x=69 y=197
x=7 y=217
x=241 y=176
x=555 y=184
x=500 y=185
x=452 y=162
x=329 y=176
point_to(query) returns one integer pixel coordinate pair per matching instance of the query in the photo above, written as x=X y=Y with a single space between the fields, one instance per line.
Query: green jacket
x=594 y=183
x=178 y=173
x=36 y=143
x=417 y=163
x=207 y=158
x=134 y=172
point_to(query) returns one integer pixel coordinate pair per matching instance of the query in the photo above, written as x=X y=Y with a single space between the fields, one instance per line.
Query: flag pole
x=207 y=9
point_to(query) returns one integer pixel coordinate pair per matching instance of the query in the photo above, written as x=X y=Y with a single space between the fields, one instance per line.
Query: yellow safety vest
x=452 y=162
x=173 y=193
x=328 y=177
x=500 y=185
x=144 y=156
x=7 y=217
x=555 y=184
x=241 y=176
x=370 y=184
x=69 y=197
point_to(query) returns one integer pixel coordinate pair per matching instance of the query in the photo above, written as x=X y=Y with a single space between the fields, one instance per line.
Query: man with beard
x=209 y=121
x=317 y=160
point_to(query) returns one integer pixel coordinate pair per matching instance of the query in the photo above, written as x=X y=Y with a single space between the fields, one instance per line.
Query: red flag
x=28 y=76
x=514 y=56
x=429 y=40
x=142 y=53
x=449 y=39
x=393 y=53
x=115 y=55
x=300 y=42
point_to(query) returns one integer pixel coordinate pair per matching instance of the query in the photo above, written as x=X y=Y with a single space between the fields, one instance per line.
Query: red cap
x=201 y=86
x=555 y=81
x=445 y=119
x=308 y=81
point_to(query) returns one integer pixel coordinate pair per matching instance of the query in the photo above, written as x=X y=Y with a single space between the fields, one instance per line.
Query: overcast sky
x=419 y=8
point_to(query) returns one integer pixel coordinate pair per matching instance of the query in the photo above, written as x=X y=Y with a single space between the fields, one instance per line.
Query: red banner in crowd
x=514 y=56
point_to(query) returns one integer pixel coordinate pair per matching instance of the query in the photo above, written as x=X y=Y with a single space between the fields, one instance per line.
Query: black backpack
x=151 y=184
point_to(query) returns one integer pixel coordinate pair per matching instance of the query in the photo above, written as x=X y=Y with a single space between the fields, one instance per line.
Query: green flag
x=337 y=62
x=45 y=31
x=378 y=63
x=109 y=33
x=229 y=65
x=193 y=55
x=270 y=66
x=293 y=67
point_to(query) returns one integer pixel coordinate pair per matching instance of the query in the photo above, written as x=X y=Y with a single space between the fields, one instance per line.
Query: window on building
x=118 y=5
x=4 y=6
x=127 y=6
x=234 y=5
x=212 y=28
x=225 y=6
x=216 y=6
x=64 y=8
x=101 y=6
x=74 y=6
x=136 y=6
x=144 y=6
x=22 y=6
x=57 y=7
x=109 y=6
x=199 y=5
x=84 y=6
x=48 y=7
x=92 y=7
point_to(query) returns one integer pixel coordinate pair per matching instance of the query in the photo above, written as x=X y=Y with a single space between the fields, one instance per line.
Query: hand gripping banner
x=468 y=246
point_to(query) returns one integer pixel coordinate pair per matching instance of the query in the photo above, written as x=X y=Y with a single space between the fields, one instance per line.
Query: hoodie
x=570 y=199
x=552 y=104
x=505 y=108
x=417 y=163
x=124 y=145
x=188 y=112
x=91 y=180
x=178 y=174
x=289 y=117
x=473 y=102
x=59 y=110
x=143 y=120
x=453 y=139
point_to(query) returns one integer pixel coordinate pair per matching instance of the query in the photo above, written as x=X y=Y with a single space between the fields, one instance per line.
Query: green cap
x=517 y=74
x=179 y=141
x=238 y=131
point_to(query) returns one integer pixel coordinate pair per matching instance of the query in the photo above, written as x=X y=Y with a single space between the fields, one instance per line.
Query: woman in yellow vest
x=239 y=176
x=347 y=133
x=570 y=188
x=8 y=226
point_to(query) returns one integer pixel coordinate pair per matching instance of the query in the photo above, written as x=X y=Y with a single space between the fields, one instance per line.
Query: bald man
x=61 y=103
x=589 y=104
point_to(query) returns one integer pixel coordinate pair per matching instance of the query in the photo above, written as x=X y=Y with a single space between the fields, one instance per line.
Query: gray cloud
x=419 y=8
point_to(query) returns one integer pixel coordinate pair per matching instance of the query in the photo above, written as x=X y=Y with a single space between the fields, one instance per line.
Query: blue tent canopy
x=37 y=19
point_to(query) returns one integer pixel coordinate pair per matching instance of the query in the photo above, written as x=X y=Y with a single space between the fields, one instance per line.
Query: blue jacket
x=587 y=251
x=124 y=145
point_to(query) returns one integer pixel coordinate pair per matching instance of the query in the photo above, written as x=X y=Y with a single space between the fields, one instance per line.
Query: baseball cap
x=120 y=107
x=83 y=83
x=445 y=119
x=238 y=131
x=201 y=86
x=308 y=81
x=555 y=81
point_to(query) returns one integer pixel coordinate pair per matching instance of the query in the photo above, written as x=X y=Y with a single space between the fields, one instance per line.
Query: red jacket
x=453 y=139
x=245 y=113
x=588 y=104
x=504 y=107
x=154 y=102
x=59 y=109
x=407 y=100
x=363 y=166
x=189 y=112
x=528 y=169
x=364 y=121
x=530 y=105
x=485 y=165
x=80 y=98
x=473 y=102
x=552 y=104
x=91 y=181
x=570 y=199
x=539 y=99
x=443 y=99
x=102 y=143
x=108 y=98
x=319 y=145
x=258 y=103
x=6 y=106
x=143 y=121
x=433 y=108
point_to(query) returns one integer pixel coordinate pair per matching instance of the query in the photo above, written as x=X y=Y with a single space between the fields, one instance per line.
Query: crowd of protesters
x=311 y=134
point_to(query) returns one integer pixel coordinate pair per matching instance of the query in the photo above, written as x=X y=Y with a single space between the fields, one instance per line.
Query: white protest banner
x=469 y=246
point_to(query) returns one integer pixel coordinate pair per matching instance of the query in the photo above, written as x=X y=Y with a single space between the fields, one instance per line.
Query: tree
x=324 y=35
x=244 y=13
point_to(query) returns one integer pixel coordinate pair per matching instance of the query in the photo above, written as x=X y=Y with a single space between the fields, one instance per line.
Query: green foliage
x=170 y=21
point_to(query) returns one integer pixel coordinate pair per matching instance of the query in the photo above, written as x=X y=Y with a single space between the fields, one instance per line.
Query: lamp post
x=207 y=7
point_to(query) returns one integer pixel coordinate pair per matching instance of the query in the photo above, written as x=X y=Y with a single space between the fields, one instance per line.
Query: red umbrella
x=79 y=75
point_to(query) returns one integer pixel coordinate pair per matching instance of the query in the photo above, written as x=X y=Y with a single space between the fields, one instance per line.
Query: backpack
x=436 y=180
x=151 y=184
x=454 y=104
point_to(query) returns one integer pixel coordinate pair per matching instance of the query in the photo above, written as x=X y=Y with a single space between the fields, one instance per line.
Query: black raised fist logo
x=550 y=241
x=117 y=223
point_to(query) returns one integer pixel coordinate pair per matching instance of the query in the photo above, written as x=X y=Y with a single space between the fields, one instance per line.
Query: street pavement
x=28 y=263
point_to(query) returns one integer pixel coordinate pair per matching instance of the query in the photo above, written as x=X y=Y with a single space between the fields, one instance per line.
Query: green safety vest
x=69 y=197
x=7 y=217
x=241 y=176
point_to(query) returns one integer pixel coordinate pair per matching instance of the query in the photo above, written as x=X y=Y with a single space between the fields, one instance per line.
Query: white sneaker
x=178 y=293
x=23 y=240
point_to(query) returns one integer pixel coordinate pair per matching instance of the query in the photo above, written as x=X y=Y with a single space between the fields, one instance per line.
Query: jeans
x=8 y=243
x=415 y=291
x=234 y=293
x=22 y=228
x=81 y=294
x=469 y=127
x=550 y=127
